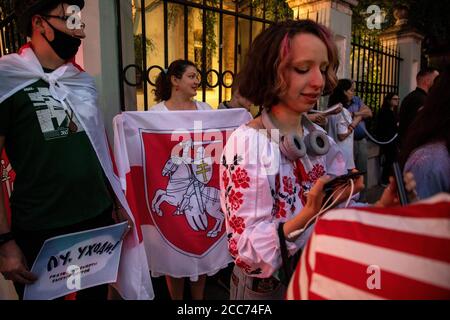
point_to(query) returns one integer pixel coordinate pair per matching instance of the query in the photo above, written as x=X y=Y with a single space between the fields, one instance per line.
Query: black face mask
x=65 y=46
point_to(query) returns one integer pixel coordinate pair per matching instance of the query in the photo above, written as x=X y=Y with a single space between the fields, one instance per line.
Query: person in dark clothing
x=47 y=136
x=414 y=101
x=386 y=130
x=426 y=152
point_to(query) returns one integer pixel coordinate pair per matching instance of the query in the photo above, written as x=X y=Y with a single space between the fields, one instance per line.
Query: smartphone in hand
x=340 y=180
x=400 y=184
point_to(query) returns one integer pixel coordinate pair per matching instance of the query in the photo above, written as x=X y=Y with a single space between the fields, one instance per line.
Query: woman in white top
x=175 y=89
x=177 y=86
x=341 y=125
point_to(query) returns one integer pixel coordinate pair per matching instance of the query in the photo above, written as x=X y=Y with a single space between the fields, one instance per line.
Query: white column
x=336 y=15
x=409 y=44
x=99 y=55
x=128 y=54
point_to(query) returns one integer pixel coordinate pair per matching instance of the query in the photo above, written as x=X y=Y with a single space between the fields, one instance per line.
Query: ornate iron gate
x=10 y=39
x=214 y=34
x=375 y=69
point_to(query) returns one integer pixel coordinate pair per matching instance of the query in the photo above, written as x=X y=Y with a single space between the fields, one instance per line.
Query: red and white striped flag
x=378 y=253
x=168 y=163
x=7 y=176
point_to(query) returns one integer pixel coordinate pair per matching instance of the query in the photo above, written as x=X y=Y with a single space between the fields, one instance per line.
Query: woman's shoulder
x=250 y=129
x=431 y=156
x=432 y=149
x=159 y=107
x=202 y=105
x=248 y=137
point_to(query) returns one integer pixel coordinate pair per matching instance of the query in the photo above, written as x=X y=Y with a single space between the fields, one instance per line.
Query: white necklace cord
x=325 y=208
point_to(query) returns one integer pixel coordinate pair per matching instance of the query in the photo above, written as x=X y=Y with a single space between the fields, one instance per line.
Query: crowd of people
x=290 y=65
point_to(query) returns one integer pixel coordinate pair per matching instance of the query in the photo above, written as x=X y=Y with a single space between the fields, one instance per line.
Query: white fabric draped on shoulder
x=69 y=84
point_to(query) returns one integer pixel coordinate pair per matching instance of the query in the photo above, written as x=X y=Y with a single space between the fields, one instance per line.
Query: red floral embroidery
x=316 y=172
x=287 y=185
x=235 y=199
x=241 y=264
x=225 y=179
x=303 y=191
x=241 y=179
x=232 y=247
x=237 y=224
x=277 y=184
x=280 y=210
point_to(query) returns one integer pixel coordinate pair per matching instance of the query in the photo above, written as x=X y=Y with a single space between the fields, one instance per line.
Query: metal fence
x=10 y=39
x=214 y=34
x=375 y=69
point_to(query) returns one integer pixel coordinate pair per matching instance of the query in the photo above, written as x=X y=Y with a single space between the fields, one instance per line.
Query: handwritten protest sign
x=76 y=261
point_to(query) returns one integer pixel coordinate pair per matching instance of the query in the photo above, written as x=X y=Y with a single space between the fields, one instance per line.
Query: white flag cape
x=69 y=84
x=171 y=181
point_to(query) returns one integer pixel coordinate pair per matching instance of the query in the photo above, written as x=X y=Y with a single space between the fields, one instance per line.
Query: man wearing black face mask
x=54 y=136
x=49 y=22
x=64 y=45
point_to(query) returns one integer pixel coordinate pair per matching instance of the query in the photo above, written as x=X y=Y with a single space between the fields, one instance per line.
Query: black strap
x=5 y=237
x=284 y=251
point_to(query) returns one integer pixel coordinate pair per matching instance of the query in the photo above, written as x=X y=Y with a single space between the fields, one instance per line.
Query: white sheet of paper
x=76 y=261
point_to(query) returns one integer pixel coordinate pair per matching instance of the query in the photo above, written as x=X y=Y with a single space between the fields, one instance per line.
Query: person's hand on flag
x=121 y=215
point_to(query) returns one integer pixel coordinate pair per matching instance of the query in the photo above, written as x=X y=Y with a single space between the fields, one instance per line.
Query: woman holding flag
x=175 y=89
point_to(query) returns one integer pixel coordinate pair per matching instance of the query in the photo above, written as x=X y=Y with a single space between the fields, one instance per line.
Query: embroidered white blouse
x=260 y=188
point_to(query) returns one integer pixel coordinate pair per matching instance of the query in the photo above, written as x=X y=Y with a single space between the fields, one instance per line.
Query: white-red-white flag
x=7 y=176
x=168 y=163
x=378 y=253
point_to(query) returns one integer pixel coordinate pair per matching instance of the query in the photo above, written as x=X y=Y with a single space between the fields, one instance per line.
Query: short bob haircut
x=261 y=80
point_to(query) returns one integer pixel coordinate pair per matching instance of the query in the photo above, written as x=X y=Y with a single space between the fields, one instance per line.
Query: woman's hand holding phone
x=339 y=182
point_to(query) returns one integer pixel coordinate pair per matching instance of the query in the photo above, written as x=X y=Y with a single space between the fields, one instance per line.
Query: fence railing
x=214 y=34
x=375 y=68
x=10 y=38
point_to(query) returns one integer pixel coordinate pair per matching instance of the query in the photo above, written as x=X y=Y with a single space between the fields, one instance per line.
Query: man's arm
x=12 y=261
x=318 y=118
x=350 y=128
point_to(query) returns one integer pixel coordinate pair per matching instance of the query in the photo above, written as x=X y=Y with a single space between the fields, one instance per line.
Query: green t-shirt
x=59 y=179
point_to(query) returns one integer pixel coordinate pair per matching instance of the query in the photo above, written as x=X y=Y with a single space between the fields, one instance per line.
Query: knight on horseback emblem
x=187 y=189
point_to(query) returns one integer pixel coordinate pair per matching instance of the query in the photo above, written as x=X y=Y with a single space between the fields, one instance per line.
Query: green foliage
x=210 y=26
x=175 y=11
x=372 y=69
x=429 y=17
x=360 y=15
x=6 y=8
x=138 y=48
x=276 y=10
